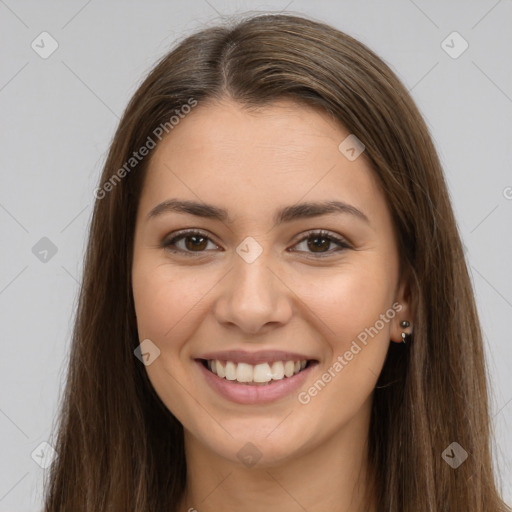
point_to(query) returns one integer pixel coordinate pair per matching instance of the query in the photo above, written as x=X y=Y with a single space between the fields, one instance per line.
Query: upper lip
x=262 y=356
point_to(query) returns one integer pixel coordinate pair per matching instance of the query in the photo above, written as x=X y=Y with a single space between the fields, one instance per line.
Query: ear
x=405 y=311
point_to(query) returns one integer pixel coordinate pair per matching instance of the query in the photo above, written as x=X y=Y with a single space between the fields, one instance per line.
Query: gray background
x=58 y=116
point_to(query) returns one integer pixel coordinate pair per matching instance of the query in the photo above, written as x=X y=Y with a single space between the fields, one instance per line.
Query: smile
x=255 y=378
x=259 y=374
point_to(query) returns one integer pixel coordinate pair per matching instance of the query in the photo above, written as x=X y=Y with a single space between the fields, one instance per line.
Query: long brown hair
x=119 y=447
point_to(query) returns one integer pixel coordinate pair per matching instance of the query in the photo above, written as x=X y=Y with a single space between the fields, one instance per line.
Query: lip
x=254 y=394
x=262 y=356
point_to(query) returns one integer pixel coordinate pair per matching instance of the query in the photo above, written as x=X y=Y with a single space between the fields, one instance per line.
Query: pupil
x=196 y=245
x=314 y=245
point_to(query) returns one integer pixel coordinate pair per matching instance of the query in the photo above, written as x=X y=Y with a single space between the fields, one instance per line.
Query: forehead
x=281 y=128
x=251 y=160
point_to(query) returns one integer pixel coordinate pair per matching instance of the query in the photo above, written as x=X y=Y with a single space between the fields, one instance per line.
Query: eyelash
x=343 y=244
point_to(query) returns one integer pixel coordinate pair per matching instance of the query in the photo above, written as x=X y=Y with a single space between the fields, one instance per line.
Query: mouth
x=253 y=378
x=262 y=374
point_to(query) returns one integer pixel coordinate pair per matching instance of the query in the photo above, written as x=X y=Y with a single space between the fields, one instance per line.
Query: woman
x=276 y=312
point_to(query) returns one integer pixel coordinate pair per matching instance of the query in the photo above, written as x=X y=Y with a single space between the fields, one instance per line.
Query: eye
x=317 y=241
x=193 y=241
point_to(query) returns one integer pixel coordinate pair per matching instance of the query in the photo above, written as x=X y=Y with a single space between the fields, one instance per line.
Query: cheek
x=167 y=305
x=347 y=302
x=166 y=300
x=355 y=308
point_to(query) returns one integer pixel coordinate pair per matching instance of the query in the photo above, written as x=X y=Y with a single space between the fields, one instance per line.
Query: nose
x=253 y=297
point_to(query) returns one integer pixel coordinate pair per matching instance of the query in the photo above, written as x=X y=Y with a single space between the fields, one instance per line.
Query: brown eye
x=196 y=242
x=318 y=242
x=191 y=241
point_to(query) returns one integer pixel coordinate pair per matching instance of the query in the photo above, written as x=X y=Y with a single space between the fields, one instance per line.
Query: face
x=268 y=321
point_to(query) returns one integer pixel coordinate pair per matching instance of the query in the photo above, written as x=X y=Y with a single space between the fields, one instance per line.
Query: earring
x=404 y=323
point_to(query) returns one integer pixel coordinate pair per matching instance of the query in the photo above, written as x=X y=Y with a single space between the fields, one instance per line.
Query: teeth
x=230 y=370
x=289 y=368
x=259 y=373
x=278 y=370
x=262 y=373
x=244 y=372
x=221 y=371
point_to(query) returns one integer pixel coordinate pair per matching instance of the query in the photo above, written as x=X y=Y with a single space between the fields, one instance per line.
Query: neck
x=329 y=476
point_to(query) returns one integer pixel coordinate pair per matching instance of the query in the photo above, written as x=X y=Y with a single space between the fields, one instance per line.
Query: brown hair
x=120 y=448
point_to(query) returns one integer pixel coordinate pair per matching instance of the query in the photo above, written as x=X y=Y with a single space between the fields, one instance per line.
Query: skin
x=313 y=456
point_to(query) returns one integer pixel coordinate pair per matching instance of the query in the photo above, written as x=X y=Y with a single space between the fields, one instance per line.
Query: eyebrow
x=286 y=214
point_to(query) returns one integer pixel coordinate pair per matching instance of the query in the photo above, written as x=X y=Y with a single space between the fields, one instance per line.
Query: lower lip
x=254 y=394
